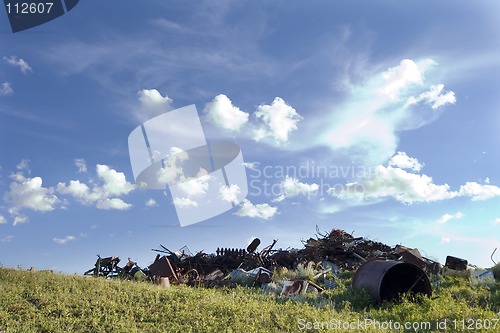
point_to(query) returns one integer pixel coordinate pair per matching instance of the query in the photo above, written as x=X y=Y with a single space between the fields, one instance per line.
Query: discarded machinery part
x=107 y=267
x=163 y=250
x=493 y=255
x=217 y=274
x=483 y=274
x=253 y=245
x=413 y=256
x=446 y=271
x=313 y=285
x=387 y=280
x=322 y=273
x=265 y=252
x=191 y=277
x=456 y=264
x=240 y=276
x=294 y=287
x=359 y=257
x=163 y=268
x=262 y=275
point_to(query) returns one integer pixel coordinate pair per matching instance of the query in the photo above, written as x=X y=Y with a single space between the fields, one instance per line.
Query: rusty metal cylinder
x=387 y=280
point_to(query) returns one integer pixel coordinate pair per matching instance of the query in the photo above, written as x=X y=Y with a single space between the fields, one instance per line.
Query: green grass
x=48 y=302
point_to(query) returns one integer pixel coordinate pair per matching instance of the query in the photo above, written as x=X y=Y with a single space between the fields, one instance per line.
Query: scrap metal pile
x=337 y=249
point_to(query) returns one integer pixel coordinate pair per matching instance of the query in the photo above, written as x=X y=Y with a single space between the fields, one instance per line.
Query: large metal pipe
x=387 y=280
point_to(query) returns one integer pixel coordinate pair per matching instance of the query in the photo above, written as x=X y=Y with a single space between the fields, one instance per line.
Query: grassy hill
x=49 y=302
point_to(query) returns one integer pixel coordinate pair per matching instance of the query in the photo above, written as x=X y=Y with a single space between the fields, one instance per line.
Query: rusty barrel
x=387 y=280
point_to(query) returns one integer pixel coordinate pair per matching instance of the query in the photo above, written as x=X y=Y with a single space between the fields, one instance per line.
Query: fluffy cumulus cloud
x=387 y=181
x=369 y=121
x=262 y=211
x=152 y=103
x=112 y=203
x=403 y=161
x=393 y=181
x=478 y=191
x=6 y=89
x=292 y=187
x=447 y=217
x=63 y=240
x=436 y=96
x=153 y=98
x=114 y=182
x=172 y=173
x=397 y=79
x=497 y=220
x=104 y=195
x=221 y=112
x=196 y=186
x=3 y=220
x=21 y=63
x=29 y=193
x=279 y=120
x=229 y=193
x=185 y=202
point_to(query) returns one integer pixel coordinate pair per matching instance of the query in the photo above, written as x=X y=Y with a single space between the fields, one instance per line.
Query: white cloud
x=196 y=186
x=292 y=187
x=21 y=63
x=23 y=165
x=230 y=193
x=81 y=165
x=447 y=217
x=368 y=123
x=403 y=161
x=172 y=173
x=152 y=103
x=221 y=112
x=112 y=203
x=408 y=187
x=396 y=183
x=3 y=220
x=6 y=239
x=6 y=89
x=262 y=211
x=251 y=165
x=113 y=184
x=151 y=202
x=497 y=220
x=184 y=203
x=279 y=118
x=434 y=96
x=30 y=194
x=20 y=219
x=63 y=240
x=153 y=98
x=479 y=192
x=400 y=77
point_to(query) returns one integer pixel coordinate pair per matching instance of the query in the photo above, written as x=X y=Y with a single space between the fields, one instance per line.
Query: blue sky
x=373 y=117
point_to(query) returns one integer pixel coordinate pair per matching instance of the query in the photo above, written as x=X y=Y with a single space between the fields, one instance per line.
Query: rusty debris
x=384 y=271
x=386 y=280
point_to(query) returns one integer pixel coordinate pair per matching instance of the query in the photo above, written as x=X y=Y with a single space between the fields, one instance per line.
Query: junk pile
x=384 y=271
